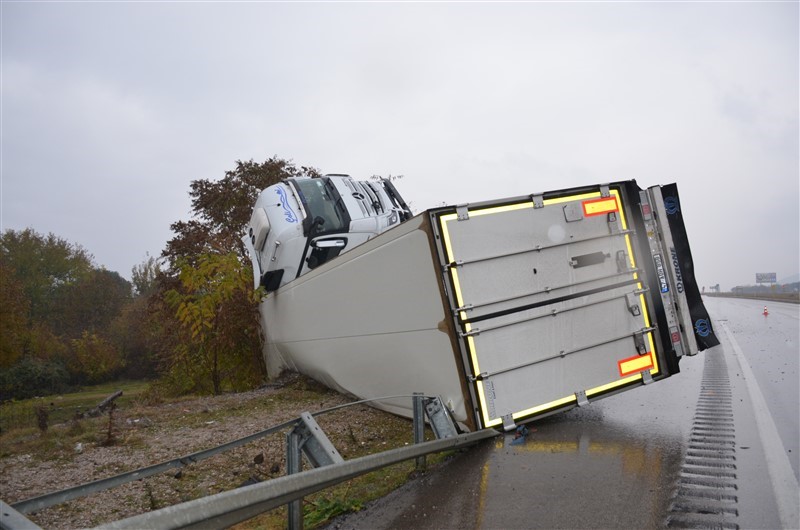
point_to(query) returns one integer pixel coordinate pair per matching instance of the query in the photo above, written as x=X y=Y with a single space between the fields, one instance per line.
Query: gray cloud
x=110 y=110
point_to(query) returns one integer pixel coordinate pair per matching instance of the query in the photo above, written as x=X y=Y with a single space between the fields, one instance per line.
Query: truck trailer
x=509 y=310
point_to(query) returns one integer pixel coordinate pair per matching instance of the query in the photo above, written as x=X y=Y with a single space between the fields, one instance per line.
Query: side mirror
x=324 y=249
x=329 y=243
x=271 y=280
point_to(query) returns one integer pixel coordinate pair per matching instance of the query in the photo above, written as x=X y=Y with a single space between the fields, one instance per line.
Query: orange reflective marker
x=600 y=206
x=635 y=364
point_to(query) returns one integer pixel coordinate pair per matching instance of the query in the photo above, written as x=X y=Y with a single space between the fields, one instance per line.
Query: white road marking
x=787 y=492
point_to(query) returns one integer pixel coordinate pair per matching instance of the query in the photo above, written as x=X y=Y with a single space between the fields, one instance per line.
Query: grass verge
x=63 y=408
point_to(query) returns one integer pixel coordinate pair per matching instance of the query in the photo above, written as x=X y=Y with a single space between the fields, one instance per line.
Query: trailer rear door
x=550 y=299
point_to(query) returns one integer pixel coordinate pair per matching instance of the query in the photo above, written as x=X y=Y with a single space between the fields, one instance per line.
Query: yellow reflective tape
x=549 y=446
x=613 y=203
x=522 y=206
x=443 y=220
x=492 y=423
x=546 y=406
x=642 y=302
x=612 y=385
x=487 y=422
x=450 y=256
x=570 y=198
x=501 y=209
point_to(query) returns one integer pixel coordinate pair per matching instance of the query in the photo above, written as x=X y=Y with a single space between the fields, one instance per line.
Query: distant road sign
x=766 y=277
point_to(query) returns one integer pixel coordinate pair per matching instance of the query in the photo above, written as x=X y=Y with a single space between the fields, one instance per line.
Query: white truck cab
x=302 y=222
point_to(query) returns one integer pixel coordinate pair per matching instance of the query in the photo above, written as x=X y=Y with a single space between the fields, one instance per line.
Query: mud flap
x=703 y=330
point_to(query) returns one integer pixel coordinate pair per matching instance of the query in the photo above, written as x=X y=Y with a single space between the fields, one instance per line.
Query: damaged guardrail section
x=231 y=507
x=304 y=438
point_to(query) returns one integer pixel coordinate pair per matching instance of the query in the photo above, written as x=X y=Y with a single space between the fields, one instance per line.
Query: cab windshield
x=321 y=199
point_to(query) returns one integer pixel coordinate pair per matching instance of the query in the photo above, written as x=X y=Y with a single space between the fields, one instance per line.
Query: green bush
x=31 y=377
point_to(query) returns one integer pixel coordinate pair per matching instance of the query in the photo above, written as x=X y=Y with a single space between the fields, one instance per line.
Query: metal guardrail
x=11 y=519
x=57 y=497
x=231 y=507
x=292 y=487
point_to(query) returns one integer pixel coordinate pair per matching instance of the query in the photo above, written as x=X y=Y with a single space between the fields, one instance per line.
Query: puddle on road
x=578 y=471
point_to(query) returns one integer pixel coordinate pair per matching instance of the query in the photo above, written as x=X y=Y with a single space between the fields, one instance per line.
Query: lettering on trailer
x=677 y=266
x=697 y=310
x=662 y=277
x=291 y=217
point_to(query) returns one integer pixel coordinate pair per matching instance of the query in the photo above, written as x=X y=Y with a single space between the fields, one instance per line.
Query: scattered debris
x=102 y=406
x=250 y=481
x=139 y=422
x=519 y=435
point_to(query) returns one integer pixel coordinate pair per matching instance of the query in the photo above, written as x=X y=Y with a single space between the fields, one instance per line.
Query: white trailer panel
x=549 y=302
x=509 y=310
x=371 y=323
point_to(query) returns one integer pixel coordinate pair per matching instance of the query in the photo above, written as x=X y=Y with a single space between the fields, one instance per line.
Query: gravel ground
x=147 y=435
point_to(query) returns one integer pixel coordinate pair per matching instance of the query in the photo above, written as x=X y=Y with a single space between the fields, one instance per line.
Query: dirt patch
x=34 y=463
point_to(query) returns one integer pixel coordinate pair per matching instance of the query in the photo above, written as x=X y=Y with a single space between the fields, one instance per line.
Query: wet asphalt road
x=684 y=452
x=772 y=347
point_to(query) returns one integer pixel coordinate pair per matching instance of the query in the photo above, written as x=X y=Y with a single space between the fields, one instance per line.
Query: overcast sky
x=110 y=110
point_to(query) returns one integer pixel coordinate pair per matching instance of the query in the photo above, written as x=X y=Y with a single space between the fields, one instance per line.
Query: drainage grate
x=706 y=491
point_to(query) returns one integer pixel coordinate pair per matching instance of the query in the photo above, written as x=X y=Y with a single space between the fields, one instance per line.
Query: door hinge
x=633 y=304
x=623 y=264
x=613 y=225
x=638 y=339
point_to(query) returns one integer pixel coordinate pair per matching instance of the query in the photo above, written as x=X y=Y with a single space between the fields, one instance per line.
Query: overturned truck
x=510 y=310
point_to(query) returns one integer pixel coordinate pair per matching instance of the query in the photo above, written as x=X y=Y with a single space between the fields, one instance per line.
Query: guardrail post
x=419 y=427
x=228 y=508
x=294 y=464
x=307 y=438
x=442 y=422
